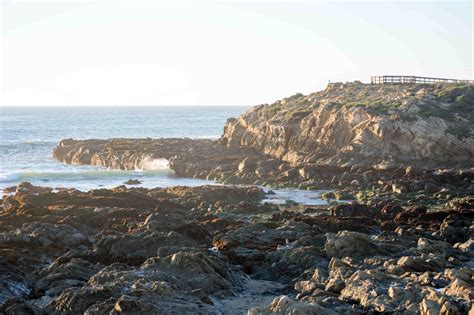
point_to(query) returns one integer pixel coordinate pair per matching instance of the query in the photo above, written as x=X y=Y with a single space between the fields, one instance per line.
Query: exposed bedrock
x=363 y=125
x=207 y=159
x=201 y=250
x=346 y=135
x=404 y=245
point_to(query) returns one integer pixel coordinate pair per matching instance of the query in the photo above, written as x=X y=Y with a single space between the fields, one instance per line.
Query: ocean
x=29 y=134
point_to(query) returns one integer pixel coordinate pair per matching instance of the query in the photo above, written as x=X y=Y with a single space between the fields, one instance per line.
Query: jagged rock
x=435 y=303
x=467 y=247
x=285 y=305
x=195 y=271
x=140 y=245
x=377 y=290
x=438 y=248
x=352 y=244
x=415 y=264
x=303 y=286
x=462 y=283
x=18 y=306
x=57 y=277
x=45 y=234
x=454 y=230
x=247 y=165
x=258 y=236
x=304 y=257
x=335 y=285
x=461 y=204
x=328 y=125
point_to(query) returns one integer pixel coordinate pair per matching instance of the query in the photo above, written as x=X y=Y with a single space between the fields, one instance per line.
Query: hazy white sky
x=220 y=53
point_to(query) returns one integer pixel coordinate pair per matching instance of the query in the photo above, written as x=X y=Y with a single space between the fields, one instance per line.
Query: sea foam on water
x=154 y=164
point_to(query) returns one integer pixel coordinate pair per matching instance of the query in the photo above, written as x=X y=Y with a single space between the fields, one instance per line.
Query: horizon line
x=121 y=105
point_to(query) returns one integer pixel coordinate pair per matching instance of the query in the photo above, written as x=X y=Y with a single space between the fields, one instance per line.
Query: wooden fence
x=405 y=79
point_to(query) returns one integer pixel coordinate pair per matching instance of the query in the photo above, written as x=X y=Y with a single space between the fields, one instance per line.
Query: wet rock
x=132 y=182
x=27 y=188
x=350 y=210
x=19 y=306
x=454 y=230
x=13 y=286
x=431 y=188
x=57 y=277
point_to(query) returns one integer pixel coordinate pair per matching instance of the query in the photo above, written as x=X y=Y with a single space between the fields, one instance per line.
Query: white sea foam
x=8 y=177
x=78 y=174
x=304 y=197
x=154 y=164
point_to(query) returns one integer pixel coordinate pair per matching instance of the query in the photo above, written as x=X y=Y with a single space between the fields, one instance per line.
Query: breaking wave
x=150 y=164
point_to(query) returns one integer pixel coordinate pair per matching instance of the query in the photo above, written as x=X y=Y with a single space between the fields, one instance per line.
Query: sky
x=220 y=53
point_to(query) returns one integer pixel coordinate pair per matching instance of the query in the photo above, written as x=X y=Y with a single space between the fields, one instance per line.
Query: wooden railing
x=405 y=79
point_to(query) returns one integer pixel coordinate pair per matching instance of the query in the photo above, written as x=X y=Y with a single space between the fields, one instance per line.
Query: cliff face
x=369 y=126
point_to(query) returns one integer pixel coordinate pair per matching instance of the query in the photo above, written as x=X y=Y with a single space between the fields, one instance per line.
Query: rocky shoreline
x=366 y=139
x=401 y=156
x=211 y=249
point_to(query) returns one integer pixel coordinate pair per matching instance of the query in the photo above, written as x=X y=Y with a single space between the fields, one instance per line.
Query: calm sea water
x=29 y=134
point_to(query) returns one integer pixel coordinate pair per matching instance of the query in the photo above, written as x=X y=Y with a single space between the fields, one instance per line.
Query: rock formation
x=363 y=125
x=347 y=134
x=199 y=250
x=401 y=158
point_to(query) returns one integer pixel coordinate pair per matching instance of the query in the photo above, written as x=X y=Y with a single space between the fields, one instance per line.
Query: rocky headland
x=401 y=157
x=348 y=133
